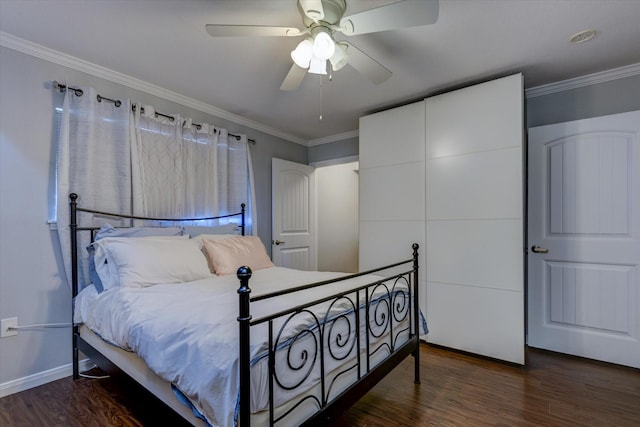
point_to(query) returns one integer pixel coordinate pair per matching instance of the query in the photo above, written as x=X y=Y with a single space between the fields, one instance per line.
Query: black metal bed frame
x=389 y=306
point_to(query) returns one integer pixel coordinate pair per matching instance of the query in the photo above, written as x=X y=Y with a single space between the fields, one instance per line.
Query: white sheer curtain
x=200 y=152
x=146 y=164
x=159 y=164
x=251 y=217
x=187 y=170
x=234 y=152
x=93 y=161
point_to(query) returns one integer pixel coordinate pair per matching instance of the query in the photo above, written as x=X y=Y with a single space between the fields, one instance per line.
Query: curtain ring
x=116 y=102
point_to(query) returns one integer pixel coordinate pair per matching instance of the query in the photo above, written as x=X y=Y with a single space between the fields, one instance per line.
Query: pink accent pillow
x=226 y=256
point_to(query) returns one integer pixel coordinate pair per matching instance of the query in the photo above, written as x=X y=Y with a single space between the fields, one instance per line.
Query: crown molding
x=15 y=43
x=334 y=138
x=590 y=79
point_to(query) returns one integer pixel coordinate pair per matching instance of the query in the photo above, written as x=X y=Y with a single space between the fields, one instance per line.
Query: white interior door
x=584 y=215
x=293 y=243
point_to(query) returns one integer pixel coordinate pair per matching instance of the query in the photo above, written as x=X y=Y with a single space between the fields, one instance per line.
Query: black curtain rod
x=117 y=103
x=62 y=88
x=80 y=92
x=197 y=125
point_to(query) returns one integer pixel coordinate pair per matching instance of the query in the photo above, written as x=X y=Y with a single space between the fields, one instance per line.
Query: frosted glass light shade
x=323 y=46
x=339 y=58
x=303 y=53
x=318 y=66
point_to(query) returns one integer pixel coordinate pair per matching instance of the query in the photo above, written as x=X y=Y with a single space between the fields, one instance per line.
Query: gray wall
x=333 y=150
x=31 y=287
x=616 y=96
x=337 y=215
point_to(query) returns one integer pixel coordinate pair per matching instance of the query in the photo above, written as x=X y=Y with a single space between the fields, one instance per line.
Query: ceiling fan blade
x=403 y=14
x=366 y=65
x=313 y=9
x=216 y=30
x=294 y=78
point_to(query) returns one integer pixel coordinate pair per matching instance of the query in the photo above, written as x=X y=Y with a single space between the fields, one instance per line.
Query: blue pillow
x=93 y=274
x=196 y=230
x=107 y=230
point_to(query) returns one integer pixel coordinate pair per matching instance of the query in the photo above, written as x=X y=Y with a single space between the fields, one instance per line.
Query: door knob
x=539 y=249
x=278 y=242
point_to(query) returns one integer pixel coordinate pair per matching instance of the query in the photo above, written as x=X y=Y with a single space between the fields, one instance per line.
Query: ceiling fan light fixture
x=323 y=45
x=318 y=66
x=321 y=20
x=303 y=53
x=339 y=58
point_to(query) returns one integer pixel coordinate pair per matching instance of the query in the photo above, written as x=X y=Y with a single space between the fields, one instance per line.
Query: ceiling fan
x=322 y=19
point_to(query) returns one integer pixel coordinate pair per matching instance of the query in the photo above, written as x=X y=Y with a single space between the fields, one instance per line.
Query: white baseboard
x=44 y=377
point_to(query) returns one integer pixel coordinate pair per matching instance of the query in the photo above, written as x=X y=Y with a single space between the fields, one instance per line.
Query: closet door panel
x=382 y=242
x=459 y=252
x=483 y=123
x=379 y=238
x=457 y=185
x=474 y=319
x=392 y=137
x=389 y=192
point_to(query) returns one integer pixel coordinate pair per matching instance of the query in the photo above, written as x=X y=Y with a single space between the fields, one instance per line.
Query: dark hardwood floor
x=456 y=390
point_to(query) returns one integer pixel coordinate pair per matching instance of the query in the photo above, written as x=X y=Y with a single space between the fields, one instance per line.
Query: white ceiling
x=165 y=43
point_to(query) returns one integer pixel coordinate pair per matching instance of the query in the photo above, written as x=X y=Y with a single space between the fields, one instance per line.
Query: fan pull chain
x=321 y=110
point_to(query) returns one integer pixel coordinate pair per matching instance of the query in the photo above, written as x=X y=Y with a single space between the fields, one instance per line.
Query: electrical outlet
x=5 y=324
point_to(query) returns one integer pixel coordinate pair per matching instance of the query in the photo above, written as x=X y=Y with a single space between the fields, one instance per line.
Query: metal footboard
x=352 y=338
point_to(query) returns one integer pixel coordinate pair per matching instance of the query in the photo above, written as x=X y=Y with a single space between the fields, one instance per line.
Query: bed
x=222 y=336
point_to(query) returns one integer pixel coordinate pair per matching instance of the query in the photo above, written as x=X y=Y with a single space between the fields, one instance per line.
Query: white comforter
x=188 y=333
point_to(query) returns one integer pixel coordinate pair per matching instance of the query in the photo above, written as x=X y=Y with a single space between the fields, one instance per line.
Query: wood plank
x=457 y=389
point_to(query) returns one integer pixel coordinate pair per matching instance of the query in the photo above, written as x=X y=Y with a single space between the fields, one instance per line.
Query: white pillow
x=106 y=267
x=147 y=261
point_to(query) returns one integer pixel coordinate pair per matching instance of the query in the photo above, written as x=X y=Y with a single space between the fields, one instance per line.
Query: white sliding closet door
x=391 y=188
x=474 y=219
